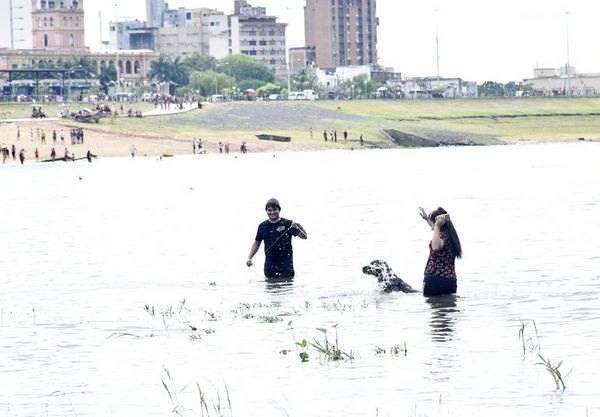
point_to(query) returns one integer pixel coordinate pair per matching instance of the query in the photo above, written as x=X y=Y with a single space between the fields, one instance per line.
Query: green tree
x=107 y=75
x=243 y=68
x=303 y=80
x=208 y=82
x=199 y=62
x=491 y=89
x=268 y=88
x=179 y=72
x=160 y=69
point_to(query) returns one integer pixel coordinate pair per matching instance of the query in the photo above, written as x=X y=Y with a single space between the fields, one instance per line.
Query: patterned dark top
x=441 y=262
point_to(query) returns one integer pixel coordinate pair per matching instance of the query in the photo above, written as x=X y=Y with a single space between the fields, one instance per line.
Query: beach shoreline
x=171 y=132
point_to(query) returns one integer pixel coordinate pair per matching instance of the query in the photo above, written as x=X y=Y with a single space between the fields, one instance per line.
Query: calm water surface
x=122 y=274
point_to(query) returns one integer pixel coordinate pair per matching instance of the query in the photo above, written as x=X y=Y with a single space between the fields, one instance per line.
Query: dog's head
x=379 y=269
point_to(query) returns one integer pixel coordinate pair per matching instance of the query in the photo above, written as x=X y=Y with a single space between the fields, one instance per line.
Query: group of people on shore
x=276 y=232
x=332 y=136
x=224 y=148
x=76 y=135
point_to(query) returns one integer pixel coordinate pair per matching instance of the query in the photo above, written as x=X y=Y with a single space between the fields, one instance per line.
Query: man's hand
x=249 y=262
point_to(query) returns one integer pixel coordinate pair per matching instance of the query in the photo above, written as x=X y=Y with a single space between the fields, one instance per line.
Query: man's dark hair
x=273 y=203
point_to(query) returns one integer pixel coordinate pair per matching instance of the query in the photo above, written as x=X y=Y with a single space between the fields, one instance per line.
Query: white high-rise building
x=16 y=15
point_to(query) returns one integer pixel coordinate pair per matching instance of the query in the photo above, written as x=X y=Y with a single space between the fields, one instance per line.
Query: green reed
x=208 y=408
x=529 y=341
x=395 y=350
x=553 y=370
x=331 y=351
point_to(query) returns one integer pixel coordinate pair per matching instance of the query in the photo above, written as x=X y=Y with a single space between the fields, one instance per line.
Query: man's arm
x=301 y=232
x=253 y=250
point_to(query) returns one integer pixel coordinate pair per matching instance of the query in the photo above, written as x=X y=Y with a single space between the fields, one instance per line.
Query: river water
x=124 y=290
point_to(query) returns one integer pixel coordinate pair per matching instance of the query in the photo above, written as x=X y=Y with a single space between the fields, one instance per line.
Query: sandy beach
x=108 y=144
x=160 y=132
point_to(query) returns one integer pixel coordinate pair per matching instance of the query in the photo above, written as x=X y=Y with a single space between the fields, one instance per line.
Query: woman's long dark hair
x=448 y=227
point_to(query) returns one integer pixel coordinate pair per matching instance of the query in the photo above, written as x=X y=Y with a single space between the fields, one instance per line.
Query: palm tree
x=160 y=69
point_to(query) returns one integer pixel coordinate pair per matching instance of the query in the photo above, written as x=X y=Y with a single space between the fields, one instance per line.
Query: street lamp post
x=568 y=63
x=117 y=49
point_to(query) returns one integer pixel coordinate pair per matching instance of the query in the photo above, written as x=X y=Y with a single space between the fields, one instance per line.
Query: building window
x=128 y=67
x=71 y=40
x=136 y=67
x=45 y=40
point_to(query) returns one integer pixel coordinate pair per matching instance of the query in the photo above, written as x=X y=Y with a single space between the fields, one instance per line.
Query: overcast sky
x=478 y=40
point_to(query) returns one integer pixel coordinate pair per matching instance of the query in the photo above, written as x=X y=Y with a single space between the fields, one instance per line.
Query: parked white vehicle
x=302 y=95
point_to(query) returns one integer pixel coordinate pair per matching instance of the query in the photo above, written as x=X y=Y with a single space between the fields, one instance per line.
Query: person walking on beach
x=18 y=133
x=361 y=140
x=54 y=136
x=132 y=151
x=444 y=248
x=345 y=135
x=277 y=234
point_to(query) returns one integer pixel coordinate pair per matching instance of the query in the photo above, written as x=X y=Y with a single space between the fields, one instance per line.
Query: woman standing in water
x=444 y=248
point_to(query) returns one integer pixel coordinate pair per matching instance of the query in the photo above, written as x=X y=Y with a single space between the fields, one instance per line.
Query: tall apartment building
x=154 y=13
x=58 y=25
x=343 y=32
x=194 y=31
x=258 y=35
x=15 y=24
x=120 y=33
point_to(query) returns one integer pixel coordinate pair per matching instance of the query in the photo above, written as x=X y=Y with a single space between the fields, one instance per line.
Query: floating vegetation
x=395 y=350
x=177 y=409
x=529 y=341
x=150 y=310
x=123 y=334
x=303 y=354
x=269 y=318
x=331 y=351
x=214 y=408
x=553 y=370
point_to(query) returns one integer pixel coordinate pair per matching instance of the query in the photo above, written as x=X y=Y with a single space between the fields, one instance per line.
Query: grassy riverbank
x=481 y=121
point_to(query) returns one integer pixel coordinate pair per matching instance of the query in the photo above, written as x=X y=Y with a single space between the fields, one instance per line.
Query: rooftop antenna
x=100 y=18
x=437 y=47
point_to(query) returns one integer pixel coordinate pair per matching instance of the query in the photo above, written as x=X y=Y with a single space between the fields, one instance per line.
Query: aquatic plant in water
x=553 y=370
x=395 y=350
x=527 y=341
x=215 y=408
x=331 y=351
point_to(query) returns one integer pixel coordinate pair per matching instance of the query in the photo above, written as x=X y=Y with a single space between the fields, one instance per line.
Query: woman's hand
x=441 y=219
x=423 y=214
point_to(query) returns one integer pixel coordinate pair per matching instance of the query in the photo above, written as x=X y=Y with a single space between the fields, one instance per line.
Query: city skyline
x=476 y=41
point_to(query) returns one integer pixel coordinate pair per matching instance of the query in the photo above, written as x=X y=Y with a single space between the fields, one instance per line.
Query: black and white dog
x=389 y=281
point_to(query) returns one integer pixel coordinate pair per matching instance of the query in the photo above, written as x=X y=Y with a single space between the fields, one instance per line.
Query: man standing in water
x=277 y=233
